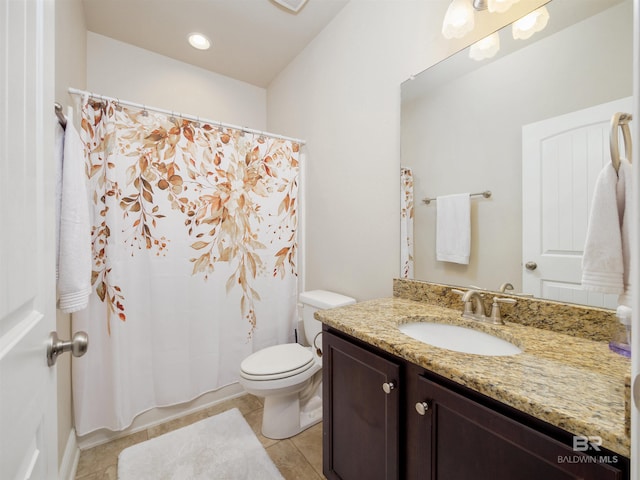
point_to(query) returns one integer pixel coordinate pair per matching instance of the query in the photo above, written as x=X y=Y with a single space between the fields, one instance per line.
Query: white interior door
x=28 y=422
x=562 y=157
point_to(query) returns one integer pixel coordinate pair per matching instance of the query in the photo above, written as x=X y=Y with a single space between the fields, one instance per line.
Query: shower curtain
x=406 y=222
x=194 y=259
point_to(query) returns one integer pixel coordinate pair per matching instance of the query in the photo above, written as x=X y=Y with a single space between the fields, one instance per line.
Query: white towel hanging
x=74 y=251
x=453 y=228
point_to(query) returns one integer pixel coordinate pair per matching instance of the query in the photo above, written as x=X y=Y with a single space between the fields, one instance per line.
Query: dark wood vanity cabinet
x=361 y=422
x=430 y=428
x=459 y=438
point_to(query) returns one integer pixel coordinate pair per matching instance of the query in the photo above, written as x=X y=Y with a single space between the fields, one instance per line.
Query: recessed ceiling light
x=199 y=41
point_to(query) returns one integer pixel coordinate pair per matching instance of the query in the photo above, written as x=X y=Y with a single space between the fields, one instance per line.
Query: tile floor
x=297 y=458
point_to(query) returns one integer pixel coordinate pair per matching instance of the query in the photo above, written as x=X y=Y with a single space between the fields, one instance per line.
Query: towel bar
x=485 y=194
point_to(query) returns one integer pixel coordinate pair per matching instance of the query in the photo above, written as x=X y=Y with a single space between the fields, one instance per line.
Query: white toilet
x=289 y=376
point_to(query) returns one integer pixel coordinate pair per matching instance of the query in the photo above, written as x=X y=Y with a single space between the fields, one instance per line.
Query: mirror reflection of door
x=562 y=157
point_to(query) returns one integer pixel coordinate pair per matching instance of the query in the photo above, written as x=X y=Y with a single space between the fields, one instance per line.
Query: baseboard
x=160 y=415
x=69 y=464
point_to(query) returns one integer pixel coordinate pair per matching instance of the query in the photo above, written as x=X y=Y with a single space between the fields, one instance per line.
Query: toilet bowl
x=289 y=376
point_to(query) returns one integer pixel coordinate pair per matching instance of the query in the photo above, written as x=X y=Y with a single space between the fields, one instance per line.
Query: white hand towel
x=453 y=228
x=625 y=183
x=74 y=258
x=603 y=262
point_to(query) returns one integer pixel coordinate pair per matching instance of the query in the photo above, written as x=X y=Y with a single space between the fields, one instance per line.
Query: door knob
x=422 y=407
x=77 y=346
x=531 y=265
x=387 y=387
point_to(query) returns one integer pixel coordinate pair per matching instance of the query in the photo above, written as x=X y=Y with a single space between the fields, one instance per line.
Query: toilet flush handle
x=318 y=349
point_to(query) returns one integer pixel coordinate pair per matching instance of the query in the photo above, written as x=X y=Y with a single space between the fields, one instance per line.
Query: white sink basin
x=459 y=339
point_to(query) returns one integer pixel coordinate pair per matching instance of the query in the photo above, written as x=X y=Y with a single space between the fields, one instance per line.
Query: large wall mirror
x=462 y=127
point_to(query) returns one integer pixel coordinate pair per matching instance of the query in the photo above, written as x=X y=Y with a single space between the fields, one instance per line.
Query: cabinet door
x=360 y=420
x=464 y=440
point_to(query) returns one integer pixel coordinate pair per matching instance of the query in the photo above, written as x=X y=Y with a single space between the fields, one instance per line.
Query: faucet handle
x=463 y=292
x=506 y=286
x=496 y=316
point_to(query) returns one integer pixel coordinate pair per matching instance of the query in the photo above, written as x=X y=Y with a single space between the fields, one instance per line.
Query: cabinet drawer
x=466 y=440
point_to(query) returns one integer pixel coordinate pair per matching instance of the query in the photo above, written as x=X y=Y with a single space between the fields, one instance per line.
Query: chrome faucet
x=473 y=305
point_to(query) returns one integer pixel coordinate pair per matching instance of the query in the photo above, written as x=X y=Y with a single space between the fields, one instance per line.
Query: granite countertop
x=573 y=383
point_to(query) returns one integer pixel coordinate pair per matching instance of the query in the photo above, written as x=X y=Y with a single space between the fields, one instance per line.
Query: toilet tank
x=319 y=300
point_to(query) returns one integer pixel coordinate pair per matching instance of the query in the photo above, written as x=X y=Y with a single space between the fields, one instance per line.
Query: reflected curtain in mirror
x=406 y=222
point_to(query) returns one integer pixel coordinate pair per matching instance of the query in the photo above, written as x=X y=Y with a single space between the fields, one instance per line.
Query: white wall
x=342 y=94
x=120 y=70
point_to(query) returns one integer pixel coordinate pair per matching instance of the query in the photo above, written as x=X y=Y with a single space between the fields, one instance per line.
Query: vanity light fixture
x=530 y=24
x=480 y=4
x=458 y=21
x=486 y=47
x=199 y=41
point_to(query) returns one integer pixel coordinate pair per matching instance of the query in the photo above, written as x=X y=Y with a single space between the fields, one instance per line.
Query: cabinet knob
x=388 y=386
x=422 y=407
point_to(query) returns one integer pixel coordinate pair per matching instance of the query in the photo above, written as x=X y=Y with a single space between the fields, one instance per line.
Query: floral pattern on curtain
x=194 y=259
x=406 y=222
x=214 y=177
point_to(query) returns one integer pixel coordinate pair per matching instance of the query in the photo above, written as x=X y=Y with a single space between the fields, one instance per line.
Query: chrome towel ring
x=620 y=119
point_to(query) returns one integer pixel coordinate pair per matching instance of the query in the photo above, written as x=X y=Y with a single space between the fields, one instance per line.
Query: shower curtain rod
x=84 y=93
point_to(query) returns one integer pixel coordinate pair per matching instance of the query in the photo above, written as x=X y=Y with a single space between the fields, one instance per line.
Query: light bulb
x=459 y=19
x=199 y=41
x=500 y=6
x=485 y=48
x=530 y=24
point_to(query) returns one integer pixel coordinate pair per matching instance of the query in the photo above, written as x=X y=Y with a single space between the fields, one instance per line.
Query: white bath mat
x=219 y=447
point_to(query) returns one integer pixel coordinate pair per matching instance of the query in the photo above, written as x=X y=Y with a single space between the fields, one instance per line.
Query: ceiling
x=252 y=40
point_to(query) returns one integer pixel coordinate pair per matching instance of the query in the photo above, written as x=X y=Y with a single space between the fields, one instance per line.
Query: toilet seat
x=276 y=362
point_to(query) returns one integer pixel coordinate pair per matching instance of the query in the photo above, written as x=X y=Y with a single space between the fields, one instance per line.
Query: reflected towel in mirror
x=453 y=228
